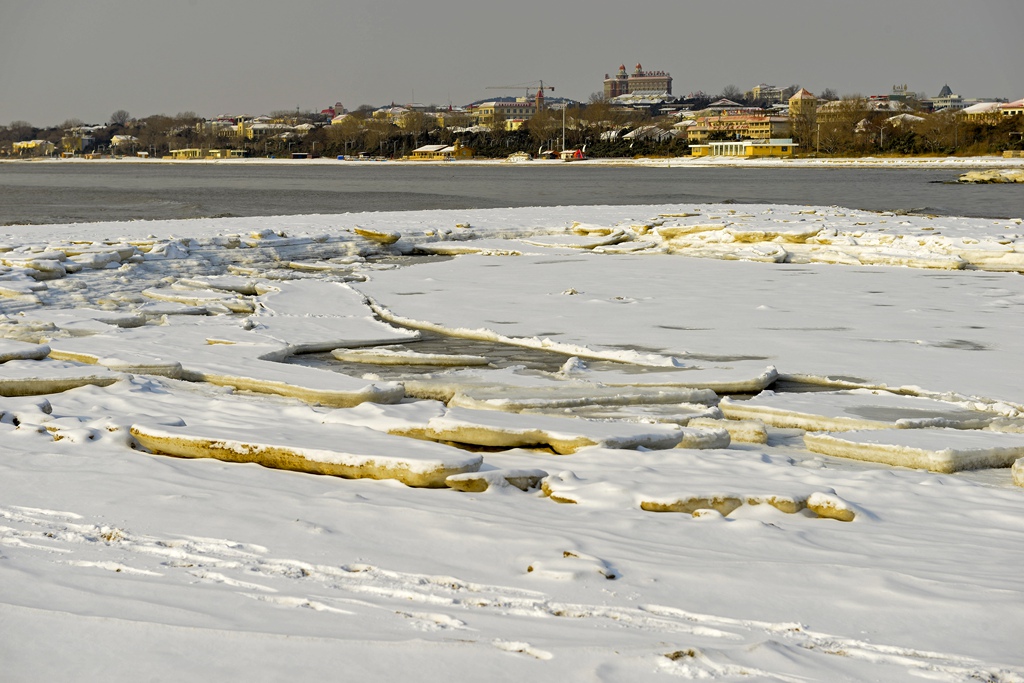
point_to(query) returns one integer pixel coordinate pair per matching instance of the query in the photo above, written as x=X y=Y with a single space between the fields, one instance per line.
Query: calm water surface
x=44 y=192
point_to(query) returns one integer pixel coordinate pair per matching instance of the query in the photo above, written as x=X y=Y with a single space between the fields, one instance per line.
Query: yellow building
x=985 y=112
x=803 y=103
x=187 y=153
x=738 y=126
x=441 y=152
x=1013 y=108
x=521 y=110
x=747 y=149
x=33 y=148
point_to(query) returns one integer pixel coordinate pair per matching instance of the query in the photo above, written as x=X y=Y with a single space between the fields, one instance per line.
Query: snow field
x=626 y=346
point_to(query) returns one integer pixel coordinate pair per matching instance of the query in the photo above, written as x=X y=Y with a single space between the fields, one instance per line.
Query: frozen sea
x=618 y=473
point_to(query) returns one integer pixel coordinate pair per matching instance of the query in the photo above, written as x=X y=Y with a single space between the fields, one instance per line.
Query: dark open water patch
x=44 y=192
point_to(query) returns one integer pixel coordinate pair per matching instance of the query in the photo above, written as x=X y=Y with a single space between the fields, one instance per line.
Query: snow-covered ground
x=521 y=491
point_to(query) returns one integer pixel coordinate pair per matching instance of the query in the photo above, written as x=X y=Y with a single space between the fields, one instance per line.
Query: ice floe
x=937 y=450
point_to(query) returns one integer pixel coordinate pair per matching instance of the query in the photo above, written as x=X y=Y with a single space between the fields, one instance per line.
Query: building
x=985 y=112
x=638 y=82
x=946 y=99
x=441 y=152
x=1013 y=108
x=505 y=111
x=33 y=148
x=739 y=125
x=766 y=93
x=803 y=104
x=747 y=149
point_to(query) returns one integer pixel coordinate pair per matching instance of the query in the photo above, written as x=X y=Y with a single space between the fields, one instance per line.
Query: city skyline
x=68 y=60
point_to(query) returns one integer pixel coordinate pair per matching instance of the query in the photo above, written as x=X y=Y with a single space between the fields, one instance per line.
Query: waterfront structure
x=747 y=149
x=441 y=152
x=33 y=148
x=639 y=82
x=740 y=125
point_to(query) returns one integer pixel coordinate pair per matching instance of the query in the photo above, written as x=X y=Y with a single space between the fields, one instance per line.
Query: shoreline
x=673 y=162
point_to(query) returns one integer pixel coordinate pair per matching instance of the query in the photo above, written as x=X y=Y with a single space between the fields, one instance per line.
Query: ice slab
x=16 y=350
x=379 y=236
x=1018 y=472
x=586 y=241
x=83 y=320
x=745 y=431
x=37 y=377
x=340 y=450
x=199 y=297
x=938 y=450
x=682 y=414
x=700 y=438
x=740 y=378
x=311 y=316
x=563 y=435
x=251 y=366
x=660 y=495
x=854 y=409
x=478 y=482
x=484 y=247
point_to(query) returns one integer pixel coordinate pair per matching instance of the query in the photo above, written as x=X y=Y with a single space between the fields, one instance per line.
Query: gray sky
x=86 y=58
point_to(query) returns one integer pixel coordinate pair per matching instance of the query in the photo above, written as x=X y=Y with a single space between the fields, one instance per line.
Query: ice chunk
x=36 y=377
x=746 y=431
x=939 y=450
x=227 y=283
x=397 y=417
x=739 y=378
x=16 y=350
x=380 y=236
x=484 y=247
x=823 y=504
x=343 y=451
x=477 y=482
x=682 y=414
x=854 y=409
x=714 y=437
x=562 y=434
x=571 y=242
x=721 y=502
x=199 y=297
x=1018 y=472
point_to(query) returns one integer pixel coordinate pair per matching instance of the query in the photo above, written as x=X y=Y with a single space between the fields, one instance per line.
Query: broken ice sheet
x=563 y=435
x=937 y=450
x=338 y=450
x=854 y=409
x=38 y=377
x=243 y=360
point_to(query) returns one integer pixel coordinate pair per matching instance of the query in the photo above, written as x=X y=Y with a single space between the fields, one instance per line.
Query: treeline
x=845 y=127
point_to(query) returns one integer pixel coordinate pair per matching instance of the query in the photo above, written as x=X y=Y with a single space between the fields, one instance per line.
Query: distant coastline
x=973 y=162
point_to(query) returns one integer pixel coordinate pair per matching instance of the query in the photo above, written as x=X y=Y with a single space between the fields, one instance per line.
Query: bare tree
x=120 y=117
x=829 y=94
x=731 y=92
